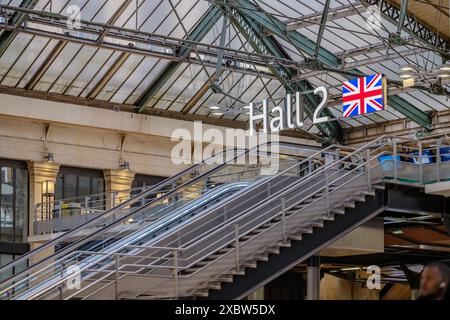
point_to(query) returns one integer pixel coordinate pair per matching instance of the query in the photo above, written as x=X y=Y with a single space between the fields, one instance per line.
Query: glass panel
x=5 y=259
x=84 y=186
x=59 y=193
x=98 y=187
x=21 y=204
x=70 y=186
x=6 y=205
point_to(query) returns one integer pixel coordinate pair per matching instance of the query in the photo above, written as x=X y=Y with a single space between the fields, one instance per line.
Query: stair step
x=239 y=272
x=306 y=230
x=214 y=285
x=349 y=205
x=286 y=244
x=379 y=187
x=250 y=265
x=340 y=211
x=316 y=224
x=328 y=217
x=262 y=258
x=295 y=237
x=273 y=250
x=369 y=193
x=359 y=198
x=202 y=293
x=226 y=279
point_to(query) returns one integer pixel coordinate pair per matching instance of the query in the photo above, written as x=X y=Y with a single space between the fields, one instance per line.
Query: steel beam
x=323 y=22
x=324 y=56
x=197 y=34
x=268 y=46
x=410 y=25
x=7 y=37
x=333 y=14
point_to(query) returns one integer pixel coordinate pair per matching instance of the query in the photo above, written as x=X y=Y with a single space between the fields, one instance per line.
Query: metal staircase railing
x=205 y=260
x=211 y=248
x=113 y=221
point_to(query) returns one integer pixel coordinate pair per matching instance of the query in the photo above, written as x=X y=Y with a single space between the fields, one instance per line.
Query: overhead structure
x=173 y=59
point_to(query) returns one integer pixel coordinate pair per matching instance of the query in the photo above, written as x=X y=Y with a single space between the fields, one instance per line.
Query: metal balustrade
x=210 y=248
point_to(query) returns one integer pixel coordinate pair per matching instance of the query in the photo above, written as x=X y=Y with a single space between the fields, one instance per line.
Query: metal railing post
x=86 y=203
x=395 y=159
x=368 y=170
x=143 y=198
x=116 y=284
x=175 y=270
x=114 y=195
x=283 y=217
x=327 y=193
x=59 y=215
x=236 y=233
x=420 y=163
x=438 y=160
x=310 y=169
x=61 y=288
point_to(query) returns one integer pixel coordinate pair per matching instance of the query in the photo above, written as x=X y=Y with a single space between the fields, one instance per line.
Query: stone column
x=117 y=181
x=39 y=172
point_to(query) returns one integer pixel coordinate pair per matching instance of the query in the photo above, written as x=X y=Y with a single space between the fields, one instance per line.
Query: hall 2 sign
x=283 y=118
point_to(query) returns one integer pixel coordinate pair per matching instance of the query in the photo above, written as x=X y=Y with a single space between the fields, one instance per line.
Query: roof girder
x=324 y=56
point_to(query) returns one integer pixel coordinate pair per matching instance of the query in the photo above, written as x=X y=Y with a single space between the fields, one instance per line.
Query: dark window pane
x=84 y=186
x=21 y=204
x=70 y=186
x=7 y=205
x=59 y=193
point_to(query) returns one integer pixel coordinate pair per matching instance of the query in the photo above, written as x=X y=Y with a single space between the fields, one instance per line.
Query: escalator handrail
x=166 y=182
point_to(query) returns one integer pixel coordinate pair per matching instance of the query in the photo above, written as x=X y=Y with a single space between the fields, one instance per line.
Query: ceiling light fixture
x=49 y=157
x=124 y=165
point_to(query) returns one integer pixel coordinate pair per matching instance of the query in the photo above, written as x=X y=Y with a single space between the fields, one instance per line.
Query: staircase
x=240 y=243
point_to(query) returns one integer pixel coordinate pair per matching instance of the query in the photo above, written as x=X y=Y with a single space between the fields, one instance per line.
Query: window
x=74 y=184
x=13 y=201
x=141 y=180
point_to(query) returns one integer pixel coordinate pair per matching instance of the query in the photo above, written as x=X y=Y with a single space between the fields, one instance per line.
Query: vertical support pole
x=236 y=233
x=327 y=193
x=86 y=203
x=420 y=162
x=114 y=196
x=61 y=289
x=175 y=271
x=368 y=171
x=310 y=168
x=438 y=161
x=394 y=154
x=60 y=215
x=283 y=217
x=313 y=278
x=116 y=284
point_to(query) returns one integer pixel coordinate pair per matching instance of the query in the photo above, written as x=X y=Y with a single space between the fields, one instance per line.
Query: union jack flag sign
x=364 y=95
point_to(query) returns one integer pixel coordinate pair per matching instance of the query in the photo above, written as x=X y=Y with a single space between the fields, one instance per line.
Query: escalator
x=231 y=247
x=138 y=212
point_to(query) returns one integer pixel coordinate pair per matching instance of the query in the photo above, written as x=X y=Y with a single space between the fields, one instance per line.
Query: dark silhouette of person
x=434 y=282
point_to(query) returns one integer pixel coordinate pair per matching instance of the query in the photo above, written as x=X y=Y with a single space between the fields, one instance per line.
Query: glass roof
x=69 y=66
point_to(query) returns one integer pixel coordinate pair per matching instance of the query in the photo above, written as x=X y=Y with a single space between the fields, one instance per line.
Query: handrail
x=298 y=164
x=126 y=203
x=310 y=176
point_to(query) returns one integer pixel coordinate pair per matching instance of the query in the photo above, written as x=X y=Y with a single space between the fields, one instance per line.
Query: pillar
x=117 y=181
x=313 y=278
x=38 y=173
